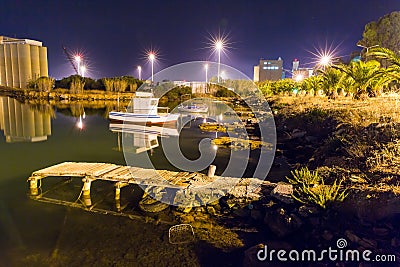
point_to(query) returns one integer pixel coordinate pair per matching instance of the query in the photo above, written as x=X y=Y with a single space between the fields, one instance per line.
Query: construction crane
x=70 y=59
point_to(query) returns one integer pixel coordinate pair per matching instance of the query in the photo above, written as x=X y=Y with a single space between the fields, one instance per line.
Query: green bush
x=310 y=188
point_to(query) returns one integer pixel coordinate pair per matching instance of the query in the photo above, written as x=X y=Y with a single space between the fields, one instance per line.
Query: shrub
x=310 y=188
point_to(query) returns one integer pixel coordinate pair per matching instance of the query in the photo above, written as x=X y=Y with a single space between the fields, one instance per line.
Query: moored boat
x=145 y=111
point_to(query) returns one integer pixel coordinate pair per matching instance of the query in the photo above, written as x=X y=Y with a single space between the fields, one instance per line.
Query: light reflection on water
x=34 y=137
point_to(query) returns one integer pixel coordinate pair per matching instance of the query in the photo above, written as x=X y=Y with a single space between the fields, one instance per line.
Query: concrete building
x=21 y=60
x=268 y=70
x=20 y=123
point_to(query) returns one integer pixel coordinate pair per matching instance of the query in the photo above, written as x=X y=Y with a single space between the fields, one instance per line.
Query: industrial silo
x=43 y=61
x=14 y=65
x=35 y=62
x=8 y=62
x=24 y=63
x=3 y=79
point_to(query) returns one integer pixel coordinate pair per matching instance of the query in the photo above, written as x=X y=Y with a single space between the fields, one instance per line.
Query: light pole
x=82 y=70
x=140 y=72
x=152 y=57
x=367 y=48
x=206 y=68
x=78 y=63
x=219 y=45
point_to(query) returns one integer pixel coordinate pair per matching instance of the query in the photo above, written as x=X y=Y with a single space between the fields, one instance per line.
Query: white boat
x=193 y=108
x=145 y=111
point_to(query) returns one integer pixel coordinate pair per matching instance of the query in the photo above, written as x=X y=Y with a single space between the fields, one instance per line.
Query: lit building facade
x=271 y=70
x=21 y=60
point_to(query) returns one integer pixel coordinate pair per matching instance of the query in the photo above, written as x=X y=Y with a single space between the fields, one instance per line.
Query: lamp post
x=139 y=68
x=152 y=57
x=78 y=63
x=219 y=45
x=206 y=68
x=82 y=70
x=366 y=48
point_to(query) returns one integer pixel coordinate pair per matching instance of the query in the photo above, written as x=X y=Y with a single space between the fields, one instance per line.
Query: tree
x=330 y=81
x=393 y=60
x=77 y=85
x=385 y=32
x=312 y=84
x=43 y=84
x=364 y=77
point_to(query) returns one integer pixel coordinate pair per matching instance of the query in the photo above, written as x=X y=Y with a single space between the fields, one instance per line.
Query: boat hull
x=145 y=119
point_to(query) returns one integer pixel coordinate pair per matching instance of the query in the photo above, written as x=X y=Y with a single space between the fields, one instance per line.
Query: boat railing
x=159 y=109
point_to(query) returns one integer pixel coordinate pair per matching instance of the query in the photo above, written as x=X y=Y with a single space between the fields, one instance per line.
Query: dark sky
x=114 y=35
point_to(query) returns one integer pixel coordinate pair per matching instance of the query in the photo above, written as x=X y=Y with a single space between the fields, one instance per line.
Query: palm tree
x=363 y=76
x=312 y=84
x=330 y=81
x=390 y=57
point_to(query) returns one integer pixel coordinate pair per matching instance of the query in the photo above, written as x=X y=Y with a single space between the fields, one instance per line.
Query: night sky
x=114 y=35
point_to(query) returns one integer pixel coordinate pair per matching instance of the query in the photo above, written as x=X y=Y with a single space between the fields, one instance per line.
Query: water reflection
x=142 y=138
x=21 y=123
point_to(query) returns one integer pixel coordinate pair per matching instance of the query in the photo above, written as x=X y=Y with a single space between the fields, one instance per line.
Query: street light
x=78 y=63
x=139 y=68
x=82 y=70
x=219 y=45
x=152 y=57
x=367 y=48
x=206 y=68
x=325 y=60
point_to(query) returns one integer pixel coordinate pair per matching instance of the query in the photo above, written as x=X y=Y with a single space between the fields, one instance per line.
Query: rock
x=281 y=223
x=364 y=242
x=380 y=231
x=311 y=139
x=283 y=192
x=368 y=243
x=242 y=212
x=296 y=133
x=306 y=211
x=395 y=242
x=211 y=210
x=327 y=235
x=351 y=236
x=256 y=215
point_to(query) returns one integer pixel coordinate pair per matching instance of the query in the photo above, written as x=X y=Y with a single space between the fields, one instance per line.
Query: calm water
x=39 y=234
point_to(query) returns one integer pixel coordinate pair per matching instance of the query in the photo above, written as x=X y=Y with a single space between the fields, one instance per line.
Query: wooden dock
x=125 y=175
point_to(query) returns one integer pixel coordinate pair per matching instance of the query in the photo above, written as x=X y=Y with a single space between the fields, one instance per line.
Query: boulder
x=283 y=192
x=281 y=223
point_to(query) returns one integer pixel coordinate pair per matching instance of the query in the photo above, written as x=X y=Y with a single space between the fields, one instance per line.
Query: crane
x=70 y=59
